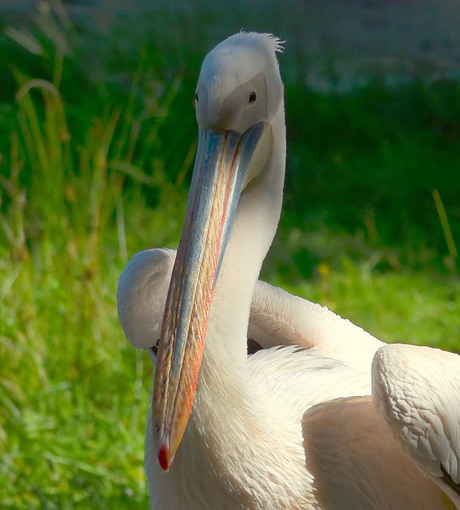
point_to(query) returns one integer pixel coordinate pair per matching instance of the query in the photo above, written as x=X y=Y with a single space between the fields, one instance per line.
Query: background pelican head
x=141 y=296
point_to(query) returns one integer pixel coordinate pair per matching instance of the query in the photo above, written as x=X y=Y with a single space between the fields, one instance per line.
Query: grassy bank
x=94 y=169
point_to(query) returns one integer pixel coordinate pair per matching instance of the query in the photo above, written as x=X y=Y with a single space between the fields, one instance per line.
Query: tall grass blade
x=445 y=224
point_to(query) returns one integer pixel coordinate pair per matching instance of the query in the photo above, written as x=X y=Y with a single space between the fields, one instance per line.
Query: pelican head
x=141 y=296
x=238 y=96
x=239 y=83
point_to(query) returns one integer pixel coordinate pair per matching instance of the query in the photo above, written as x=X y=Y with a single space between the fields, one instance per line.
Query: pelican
x=286 y=427
x=276 y=316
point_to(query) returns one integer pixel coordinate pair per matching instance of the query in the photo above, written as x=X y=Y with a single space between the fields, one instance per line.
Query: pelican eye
x=196 y=97
x=252 y=97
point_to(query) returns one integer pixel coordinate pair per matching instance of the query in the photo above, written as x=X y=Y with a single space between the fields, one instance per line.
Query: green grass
x=91 y=173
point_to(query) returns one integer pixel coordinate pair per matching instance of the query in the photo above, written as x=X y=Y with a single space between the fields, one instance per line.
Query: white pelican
x=285 y=428
x=276 y=317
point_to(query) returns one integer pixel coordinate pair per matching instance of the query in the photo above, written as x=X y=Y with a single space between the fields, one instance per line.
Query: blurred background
x=97 y=141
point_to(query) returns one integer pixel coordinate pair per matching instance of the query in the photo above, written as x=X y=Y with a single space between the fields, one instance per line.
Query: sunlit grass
x=71 y=428
x=72 y=421
x=74 y=395
x=89 y=176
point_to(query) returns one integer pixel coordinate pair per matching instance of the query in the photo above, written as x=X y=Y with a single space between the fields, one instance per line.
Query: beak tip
x=164 y=456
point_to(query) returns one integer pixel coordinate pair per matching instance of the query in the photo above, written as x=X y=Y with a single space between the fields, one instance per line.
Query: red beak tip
x=163 y=457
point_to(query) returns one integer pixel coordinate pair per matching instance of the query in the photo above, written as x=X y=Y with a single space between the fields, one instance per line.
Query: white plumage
x=276 y=317
x=417 y=391
x=287 y=427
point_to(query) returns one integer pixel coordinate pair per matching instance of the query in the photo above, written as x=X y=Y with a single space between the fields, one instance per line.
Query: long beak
x=224 y=164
